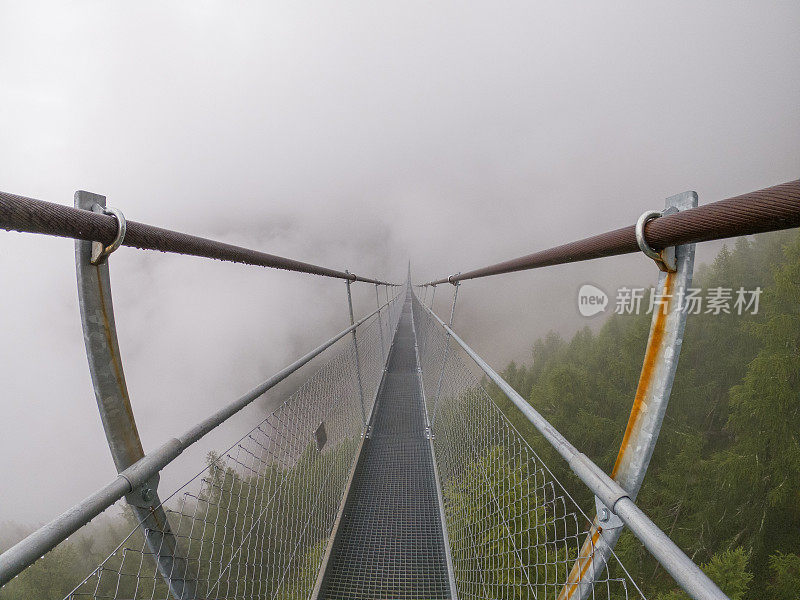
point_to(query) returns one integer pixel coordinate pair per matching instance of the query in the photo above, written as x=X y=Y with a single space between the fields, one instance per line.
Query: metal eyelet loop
x=99 y=252
x=664 y=259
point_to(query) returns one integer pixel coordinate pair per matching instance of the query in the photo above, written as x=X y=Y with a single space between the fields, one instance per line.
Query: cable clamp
x=666 y=258
x=99 y=252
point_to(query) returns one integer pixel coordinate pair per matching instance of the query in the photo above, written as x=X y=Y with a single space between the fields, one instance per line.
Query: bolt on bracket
x=146 y=495
x=606 y=517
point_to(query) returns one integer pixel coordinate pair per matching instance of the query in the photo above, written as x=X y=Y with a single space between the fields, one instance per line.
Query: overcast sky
x=356 y=135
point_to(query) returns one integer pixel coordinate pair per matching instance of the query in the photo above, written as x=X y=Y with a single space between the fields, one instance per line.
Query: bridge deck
x=389 y=544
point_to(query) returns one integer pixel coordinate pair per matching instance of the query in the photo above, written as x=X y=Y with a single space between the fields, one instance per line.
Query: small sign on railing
x=321 y=435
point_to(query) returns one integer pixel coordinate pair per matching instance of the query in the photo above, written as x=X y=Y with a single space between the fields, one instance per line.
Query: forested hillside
x=724 y=481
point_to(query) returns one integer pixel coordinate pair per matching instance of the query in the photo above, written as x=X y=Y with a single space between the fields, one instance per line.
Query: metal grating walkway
x=389 y=544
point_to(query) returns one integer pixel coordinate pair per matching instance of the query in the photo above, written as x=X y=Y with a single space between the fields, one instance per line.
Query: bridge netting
x=258 y=521
x=255 y=522
x=514 y=531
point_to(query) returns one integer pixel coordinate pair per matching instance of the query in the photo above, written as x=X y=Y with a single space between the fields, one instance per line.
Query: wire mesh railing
x=513 y=529
x=255 y=522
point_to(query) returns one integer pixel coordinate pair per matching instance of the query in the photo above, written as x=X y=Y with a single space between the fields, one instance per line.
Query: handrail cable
x=28 y=215
x=770 y=209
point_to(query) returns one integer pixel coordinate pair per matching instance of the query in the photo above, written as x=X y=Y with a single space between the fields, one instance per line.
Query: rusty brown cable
x=18 y=213
x=770 y=209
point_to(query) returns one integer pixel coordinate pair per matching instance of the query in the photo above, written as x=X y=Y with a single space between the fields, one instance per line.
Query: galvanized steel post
x=358 y=361
x=433 y=295
x=380 y=323
x=424 y=335
x=649 y=404
x=425 y=339
x=392 y=308
x=445 y=353
x=113 y=402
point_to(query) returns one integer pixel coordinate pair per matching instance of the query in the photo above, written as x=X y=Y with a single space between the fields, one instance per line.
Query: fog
x=355 y=135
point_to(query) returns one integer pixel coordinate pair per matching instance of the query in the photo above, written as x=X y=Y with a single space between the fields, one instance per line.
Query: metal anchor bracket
x=650 y=401
x=113 y=402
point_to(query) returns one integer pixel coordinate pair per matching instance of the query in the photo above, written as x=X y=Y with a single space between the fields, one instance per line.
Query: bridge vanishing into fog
x=399 y=469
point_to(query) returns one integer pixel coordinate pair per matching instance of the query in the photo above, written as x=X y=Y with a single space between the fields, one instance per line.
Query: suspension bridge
x=393 y=472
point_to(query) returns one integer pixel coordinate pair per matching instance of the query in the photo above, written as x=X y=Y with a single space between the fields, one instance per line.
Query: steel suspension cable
x=28 y=215
x=770 y=209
